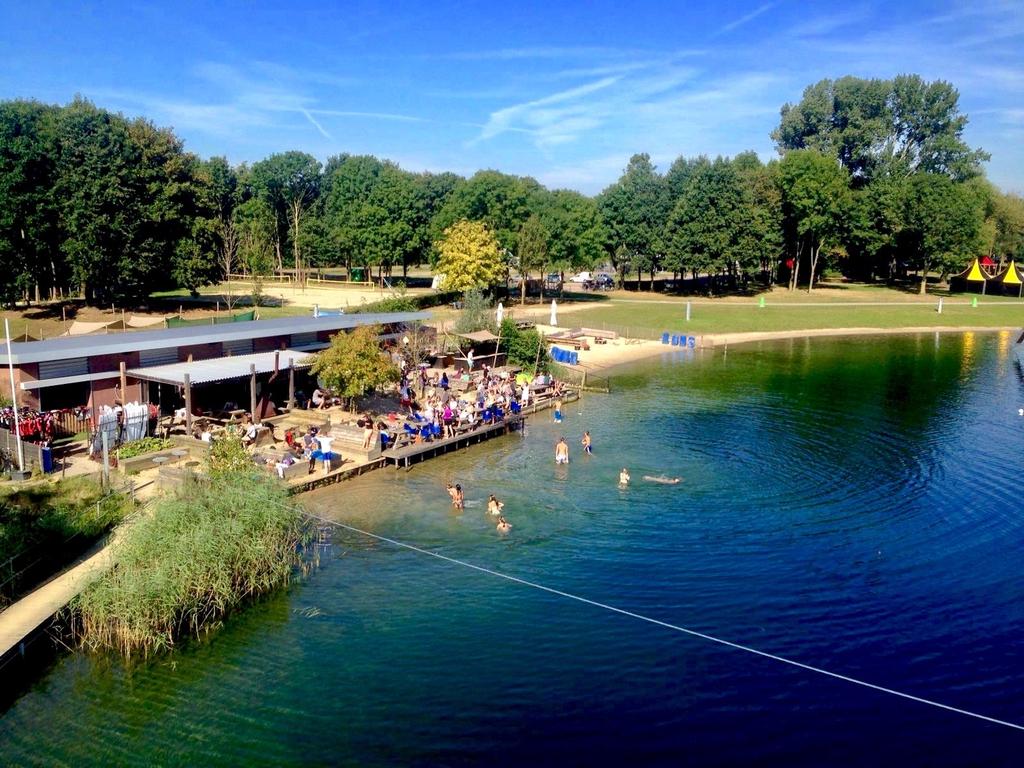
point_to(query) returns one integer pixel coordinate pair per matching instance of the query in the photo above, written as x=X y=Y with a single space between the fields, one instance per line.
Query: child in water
x=504 y=526
x=624 y=478
x=494 y=506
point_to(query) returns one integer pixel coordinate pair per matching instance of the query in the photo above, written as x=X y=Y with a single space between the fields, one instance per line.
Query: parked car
x=552 y=281
x=582 y=278
x=602 y=282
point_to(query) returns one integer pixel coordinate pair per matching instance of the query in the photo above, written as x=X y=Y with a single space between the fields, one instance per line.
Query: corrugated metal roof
x=222 y=368
x=118 y=343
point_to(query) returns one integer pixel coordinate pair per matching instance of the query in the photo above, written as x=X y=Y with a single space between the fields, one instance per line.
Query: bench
x=273 y=457
x=348 y=441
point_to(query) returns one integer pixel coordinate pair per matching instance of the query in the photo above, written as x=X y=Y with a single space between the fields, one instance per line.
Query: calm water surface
x=851 y=504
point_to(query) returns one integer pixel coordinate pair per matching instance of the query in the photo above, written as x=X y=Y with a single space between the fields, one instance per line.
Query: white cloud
x=745 y=19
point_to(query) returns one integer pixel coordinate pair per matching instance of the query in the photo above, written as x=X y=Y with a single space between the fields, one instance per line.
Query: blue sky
x=561 y=91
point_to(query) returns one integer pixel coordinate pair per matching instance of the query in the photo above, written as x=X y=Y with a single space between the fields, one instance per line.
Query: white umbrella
x=554 y=313
x=501 y=312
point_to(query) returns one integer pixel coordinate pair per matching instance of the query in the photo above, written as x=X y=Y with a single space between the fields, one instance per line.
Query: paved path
x=35 y=609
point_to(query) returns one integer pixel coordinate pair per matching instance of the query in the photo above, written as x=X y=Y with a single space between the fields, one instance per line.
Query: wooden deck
x=406 y=454
x=418 y=451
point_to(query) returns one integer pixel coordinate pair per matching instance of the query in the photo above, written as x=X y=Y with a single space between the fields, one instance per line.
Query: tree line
x=874 y=179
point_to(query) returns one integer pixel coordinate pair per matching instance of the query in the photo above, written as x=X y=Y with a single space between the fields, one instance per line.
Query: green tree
x=942 y=221
x=873 y=225
x=350 y=182
x=578 y=238
x=707 y=229
x=882 y=127
x=815 y=195
x=635 y=209
x=256 y=226
x=763 y=235
x=532 y=253
x=127 y=194
x=289 y=183
x=500 y=201
x=1008 y=242
x=29 y=224
x=477 y=313
x=354 y=363
x=470 y=257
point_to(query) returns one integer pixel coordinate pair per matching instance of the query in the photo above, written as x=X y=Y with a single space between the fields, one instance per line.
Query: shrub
x=145 y=445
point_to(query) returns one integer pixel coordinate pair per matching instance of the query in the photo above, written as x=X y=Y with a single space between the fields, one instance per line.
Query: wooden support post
x=291 y=383
x=188 y=404
x=252 y=391
x=124 y=384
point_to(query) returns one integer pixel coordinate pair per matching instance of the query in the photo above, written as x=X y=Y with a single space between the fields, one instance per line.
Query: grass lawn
x=45 y=525
x=861 y=308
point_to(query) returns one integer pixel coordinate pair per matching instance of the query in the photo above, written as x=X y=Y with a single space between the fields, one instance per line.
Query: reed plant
x=197 y=556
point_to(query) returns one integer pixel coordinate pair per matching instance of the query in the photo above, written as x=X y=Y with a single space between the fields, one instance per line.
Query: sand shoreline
x=603 y=358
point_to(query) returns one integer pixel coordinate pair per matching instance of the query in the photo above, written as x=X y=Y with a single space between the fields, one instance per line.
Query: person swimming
x=494 y=506
x=663 y=479
x=624 y=477
x=459 y=499
x=504 y=526
x=587 y=443
x=558 y=411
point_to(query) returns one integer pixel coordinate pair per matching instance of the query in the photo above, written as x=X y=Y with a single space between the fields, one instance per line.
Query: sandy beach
x=621 y=351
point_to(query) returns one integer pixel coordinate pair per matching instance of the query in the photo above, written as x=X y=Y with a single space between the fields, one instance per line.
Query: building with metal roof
x=110 y=368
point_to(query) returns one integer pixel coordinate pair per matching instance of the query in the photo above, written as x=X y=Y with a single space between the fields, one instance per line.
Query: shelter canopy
x=480 y=336
x=222 y=368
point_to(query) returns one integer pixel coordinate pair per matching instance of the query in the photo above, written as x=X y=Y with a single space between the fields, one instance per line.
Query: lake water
x=850 y=504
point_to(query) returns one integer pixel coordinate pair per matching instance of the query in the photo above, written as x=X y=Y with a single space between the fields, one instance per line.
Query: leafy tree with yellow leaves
x=470 y=257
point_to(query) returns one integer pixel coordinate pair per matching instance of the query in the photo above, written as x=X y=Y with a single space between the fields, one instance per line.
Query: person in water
x=663 y=479
x=561 y=451
x=587 y=443
x=458 y=498
x=504 y=526
x=624 y=477
x=494 y=506
x=558 y=411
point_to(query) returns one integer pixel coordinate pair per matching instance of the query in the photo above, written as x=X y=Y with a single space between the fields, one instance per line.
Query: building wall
x=201 y=351
x=24 y=372
x=270 y=343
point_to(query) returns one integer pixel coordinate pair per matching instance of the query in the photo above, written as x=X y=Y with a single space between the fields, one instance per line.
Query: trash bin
x=46 y=456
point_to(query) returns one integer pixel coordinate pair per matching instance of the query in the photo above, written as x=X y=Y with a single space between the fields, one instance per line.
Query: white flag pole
x=14 y=397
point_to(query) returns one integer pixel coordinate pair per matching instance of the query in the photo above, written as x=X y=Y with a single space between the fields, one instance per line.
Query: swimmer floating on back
x=664 y=480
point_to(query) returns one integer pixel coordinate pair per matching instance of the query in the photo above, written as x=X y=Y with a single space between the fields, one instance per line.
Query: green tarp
x=241 y=317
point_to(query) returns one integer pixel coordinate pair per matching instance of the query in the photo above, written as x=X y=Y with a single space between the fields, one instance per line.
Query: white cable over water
x=677 y=628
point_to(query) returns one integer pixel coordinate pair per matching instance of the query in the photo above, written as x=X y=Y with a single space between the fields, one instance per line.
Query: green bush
x=196 y=557
x=145 y=445
x=524 y=348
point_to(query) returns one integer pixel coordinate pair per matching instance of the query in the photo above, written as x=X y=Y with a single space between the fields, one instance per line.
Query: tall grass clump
x=198 y=555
